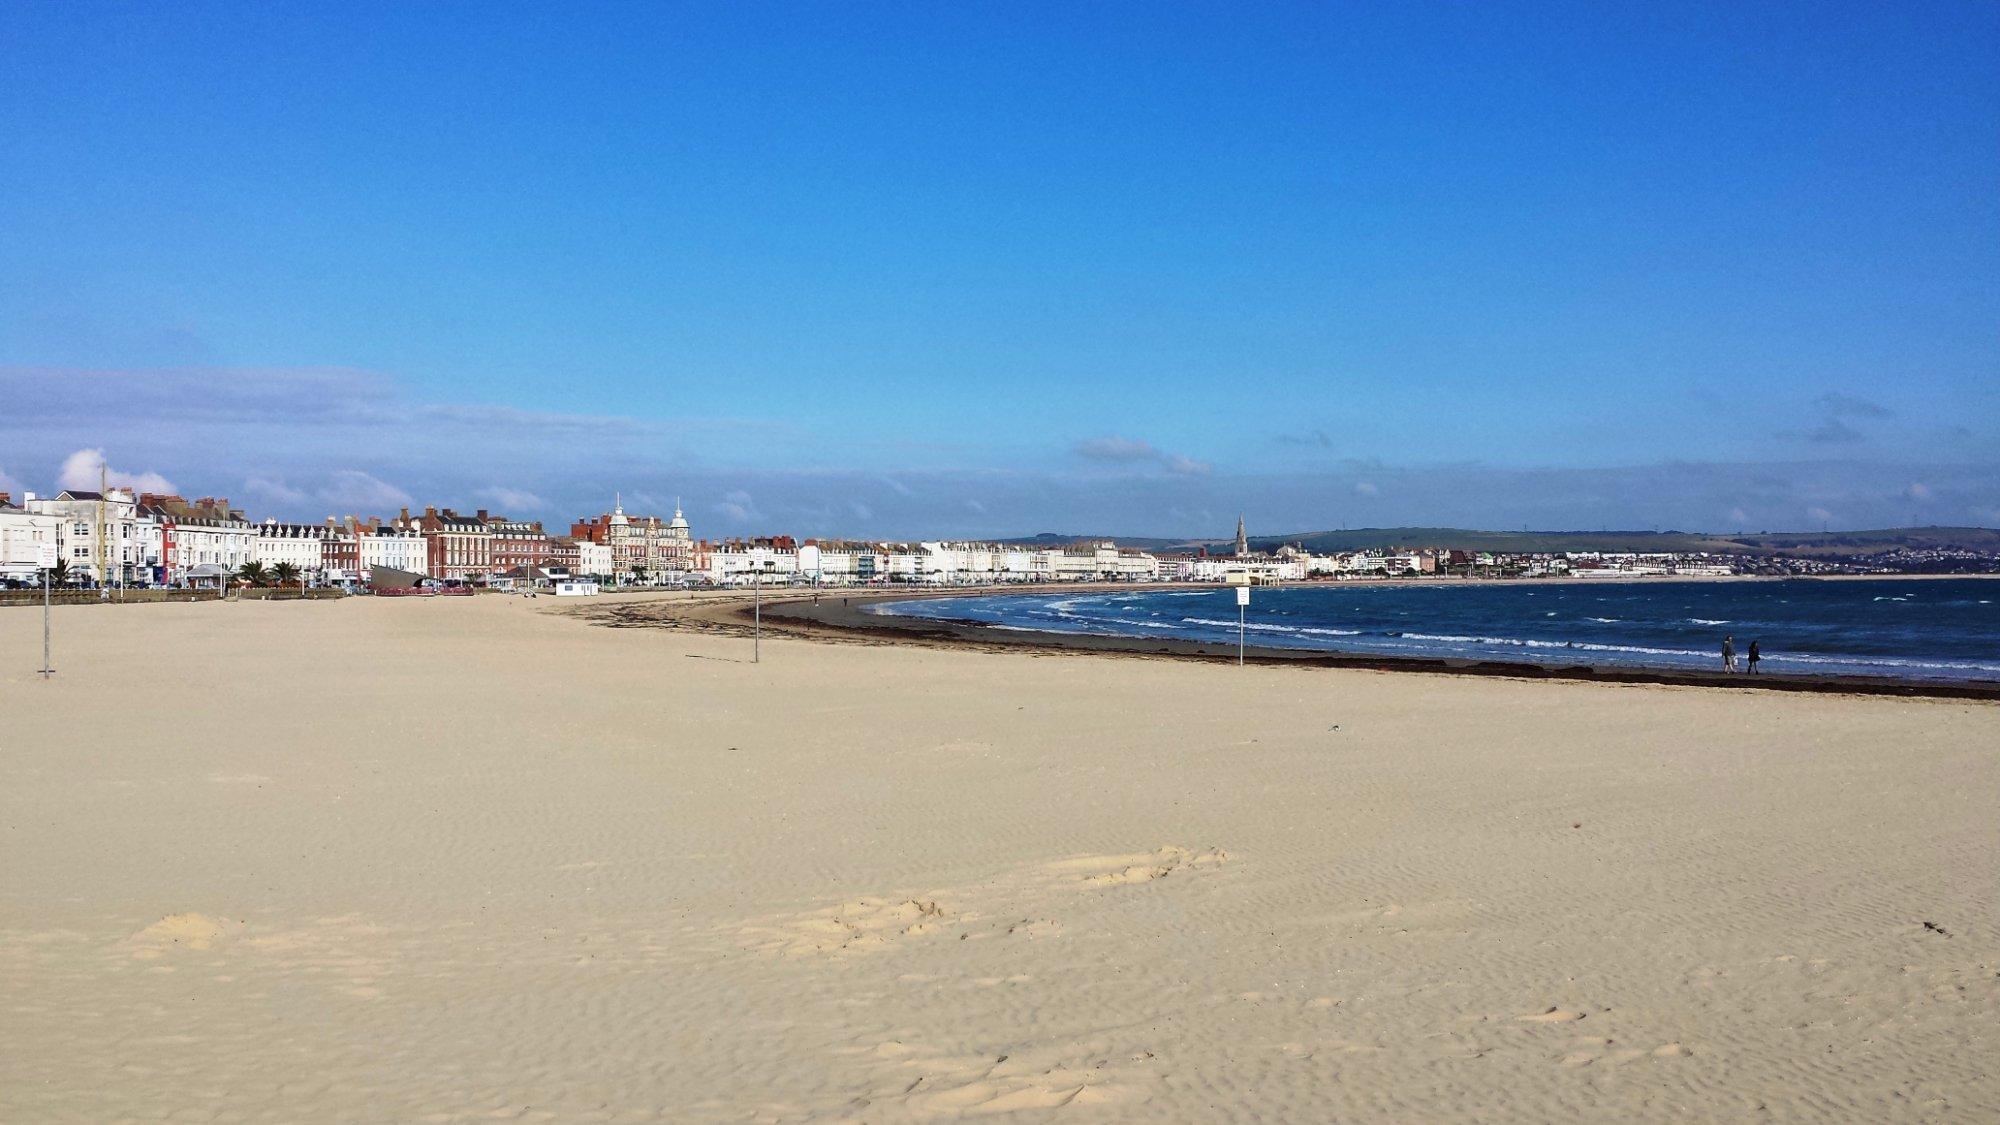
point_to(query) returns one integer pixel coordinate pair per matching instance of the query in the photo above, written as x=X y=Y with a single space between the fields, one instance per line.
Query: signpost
x=47 y=668
x=757 y=611
x=1242 y=613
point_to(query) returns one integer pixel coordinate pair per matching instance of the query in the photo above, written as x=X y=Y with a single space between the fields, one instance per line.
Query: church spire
x=1242 y=542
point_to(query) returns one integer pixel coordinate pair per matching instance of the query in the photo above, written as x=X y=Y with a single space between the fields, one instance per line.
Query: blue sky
x=1003 y=269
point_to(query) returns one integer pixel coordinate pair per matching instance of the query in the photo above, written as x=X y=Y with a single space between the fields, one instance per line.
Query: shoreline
x=845 y=618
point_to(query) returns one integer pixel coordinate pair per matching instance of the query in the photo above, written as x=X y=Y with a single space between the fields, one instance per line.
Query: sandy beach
x=485 y=858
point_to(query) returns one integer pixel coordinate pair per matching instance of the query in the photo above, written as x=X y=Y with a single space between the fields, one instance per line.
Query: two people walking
x=1729 y=655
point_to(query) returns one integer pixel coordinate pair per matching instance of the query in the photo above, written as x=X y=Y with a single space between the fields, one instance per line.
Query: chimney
x=406 y=515
x=430 y=512
x=6 y=498
x=482 y=515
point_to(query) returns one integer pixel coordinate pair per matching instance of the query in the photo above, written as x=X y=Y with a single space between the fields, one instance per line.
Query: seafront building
x=351 y=550
x=28 y=544
x=203 y=541
x=458 y=548
x=641 y=548
x=518 y=545
x=107 y=535
x=298 y=545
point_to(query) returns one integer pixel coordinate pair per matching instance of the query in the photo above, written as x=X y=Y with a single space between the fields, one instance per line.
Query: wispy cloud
x=1115 y=450
x=513 y=498
x=1841 y=405
x=1835 y=415
x=1832 y=431
x=352 y=488
x=1318 y=439
x=738 y=507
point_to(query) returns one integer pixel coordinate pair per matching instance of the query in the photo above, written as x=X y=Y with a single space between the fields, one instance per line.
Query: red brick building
x=518 y=543
x=455 y=546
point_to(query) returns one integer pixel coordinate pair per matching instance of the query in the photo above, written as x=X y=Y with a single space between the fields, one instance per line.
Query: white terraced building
x=835 y=563
x=299 y=544
x=132 y=548
x=27 y=543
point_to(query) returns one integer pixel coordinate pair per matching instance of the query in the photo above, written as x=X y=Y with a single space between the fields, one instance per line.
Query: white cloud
x=1917 y=491
x=85 y=469
x=1365 y=488
x=512 y=498
x=1819 y=515
x=861 y=511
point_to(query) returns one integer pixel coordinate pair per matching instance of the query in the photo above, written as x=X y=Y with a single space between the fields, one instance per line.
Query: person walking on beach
x=1754 y=658
x=1729 y=653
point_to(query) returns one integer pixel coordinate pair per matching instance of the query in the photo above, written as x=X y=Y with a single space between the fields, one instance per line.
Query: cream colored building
x=27 y=543
x=131 y=549
x=296 y=543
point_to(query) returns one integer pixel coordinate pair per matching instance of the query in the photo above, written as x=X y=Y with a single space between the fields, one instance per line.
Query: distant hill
x=1832 y=544
x=1057 y=539
x=1819 y=544
x=1815 y=543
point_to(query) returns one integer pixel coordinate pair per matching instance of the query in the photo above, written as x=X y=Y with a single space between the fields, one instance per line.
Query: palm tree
x=285 y=573
x=254 y=573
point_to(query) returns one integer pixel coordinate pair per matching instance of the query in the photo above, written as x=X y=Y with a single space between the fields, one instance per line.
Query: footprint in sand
x=1596 y=1053
x=929 y=1081
x=851 y=927
x=1553 y=1015
x=878 y=923
x=1140 y=867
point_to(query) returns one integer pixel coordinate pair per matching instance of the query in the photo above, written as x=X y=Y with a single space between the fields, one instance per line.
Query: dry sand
x=460 y=859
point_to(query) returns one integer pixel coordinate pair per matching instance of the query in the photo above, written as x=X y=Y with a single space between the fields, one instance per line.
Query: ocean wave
x=1708 y=621
x=1266 y=627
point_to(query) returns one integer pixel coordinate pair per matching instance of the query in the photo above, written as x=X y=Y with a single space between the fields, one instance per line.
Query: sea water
x=1946 y=629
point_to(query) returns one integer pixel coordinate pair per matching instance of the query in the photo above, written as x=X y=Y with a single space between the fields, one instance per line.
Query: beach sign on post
x=1242 y=612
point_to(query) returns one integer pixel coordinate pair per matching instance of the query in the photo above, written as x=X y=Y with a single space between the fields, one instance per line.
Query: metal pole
x=757 y=604
x=1240 y=612
x=47 y=669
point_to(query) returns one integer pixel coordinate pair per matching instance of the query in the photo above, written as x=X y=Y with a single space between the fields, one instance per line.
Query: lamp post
x=757 y=615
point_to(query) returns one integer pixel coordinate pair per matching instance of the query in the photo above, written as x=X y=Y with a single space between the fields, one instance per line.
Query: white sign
x=1242 y=595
